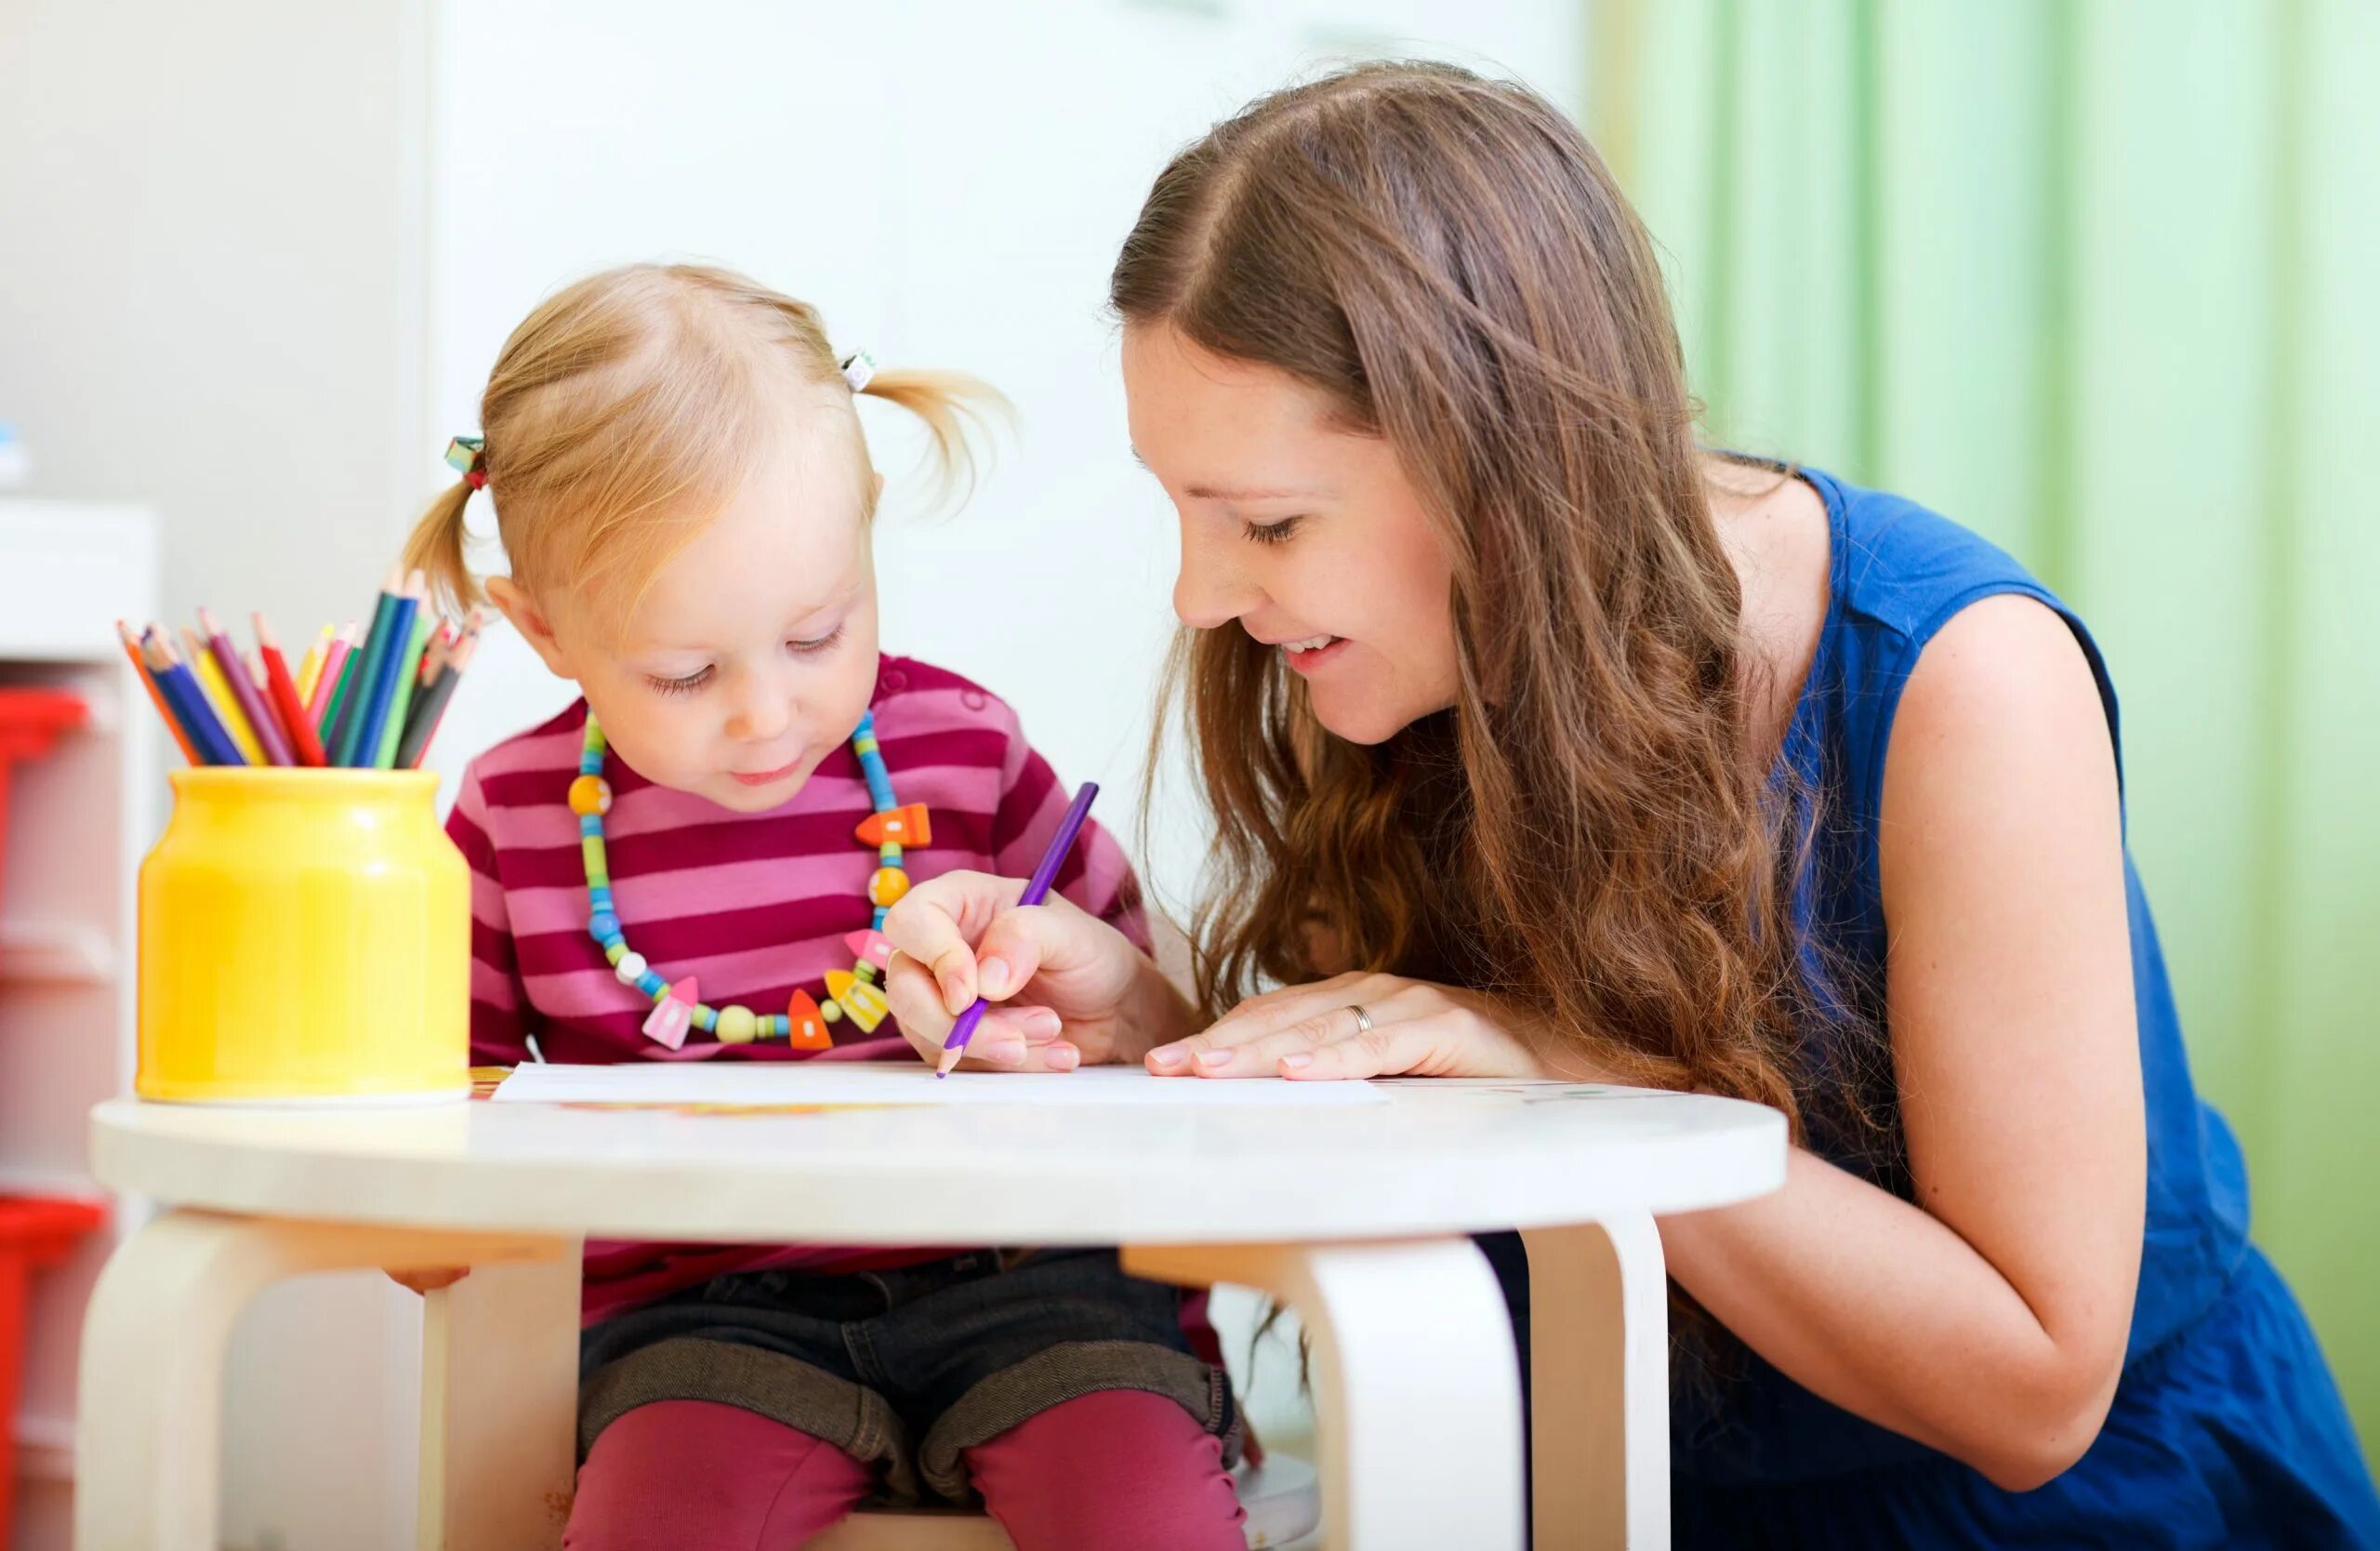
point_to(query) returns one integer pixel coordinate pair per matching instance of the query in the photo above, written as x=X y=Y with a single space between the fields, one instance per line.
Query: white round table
x=1358 y=1217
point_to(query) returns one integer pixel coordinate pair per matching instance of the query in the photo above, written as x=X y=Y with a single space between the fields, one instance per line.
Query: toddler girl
x=690 y=862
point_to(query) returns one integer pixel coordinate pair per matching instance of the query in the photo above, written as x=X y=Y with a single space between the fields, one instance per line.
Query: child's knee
x=696 y=1475
x=1118 y=1468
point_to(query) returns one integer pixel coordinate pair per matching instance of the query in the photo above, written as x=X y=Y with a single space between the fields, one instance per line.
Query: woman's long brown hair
x=1587 y=829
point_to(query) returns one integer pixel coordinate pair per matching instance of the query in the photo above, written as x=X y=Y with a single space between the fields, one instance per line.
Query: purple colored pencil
x=1037 y=889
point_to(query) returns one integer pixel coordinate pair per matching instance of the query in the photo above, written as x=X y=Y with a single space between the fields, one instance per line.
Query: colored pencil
x=220 y=698
x=174 y=724
x=310 y=668
x=356 y=690
x=306 y=746
x=376 y=694
x=429 y=706
x=337 y=663
x=1037 y=889
x=425 y=626
x=243 y=679
x=185 y=693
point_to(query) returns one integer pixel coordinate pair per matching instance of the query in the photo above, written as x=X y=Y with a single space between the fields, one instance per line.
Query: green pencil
x=424 y=625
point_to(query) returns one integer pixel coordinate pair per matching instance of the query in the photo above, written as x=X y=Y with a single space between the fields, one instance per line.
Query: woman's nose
x=1209 y=588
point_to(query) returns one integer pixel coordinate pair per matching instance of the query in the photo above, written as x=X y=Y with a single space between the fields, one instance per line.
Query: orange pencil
x=157 y=696
x=307 y=744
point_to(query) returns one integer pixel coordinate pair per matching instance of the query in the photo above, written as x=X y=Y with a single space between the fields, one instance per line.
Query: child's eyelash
x=1272 y=532
x=686 y=685
x=693 y=682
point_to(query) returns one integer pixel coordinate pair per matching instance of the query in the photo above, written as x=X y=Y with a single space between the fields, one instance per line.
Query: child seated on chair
x=690 y=864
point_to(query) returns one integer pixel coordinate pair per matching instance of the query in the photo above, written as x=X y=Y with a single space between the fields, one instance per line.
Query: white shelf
x=37 y=954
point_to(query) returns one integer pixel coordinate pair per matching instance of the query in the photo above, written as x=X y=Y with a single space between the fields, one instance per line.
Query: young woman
x=1540 y=739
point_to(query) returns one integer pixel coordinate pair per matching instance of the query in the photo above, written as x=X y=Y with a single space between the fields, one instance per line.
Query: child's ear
x=516 y=605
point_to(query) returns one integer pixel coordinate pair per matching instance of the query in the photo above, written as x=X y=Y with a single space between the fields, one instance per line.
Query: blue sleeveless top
x=2226 y=1428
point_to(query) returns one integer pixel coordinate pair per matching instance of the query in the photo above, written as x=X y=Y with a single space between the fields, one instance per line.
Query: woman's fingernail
x=1214 y=1058
x=1167 y=1056
x=1296 y=1063
x=992 y=975
x=1062 y=1058
x=1042 y=1021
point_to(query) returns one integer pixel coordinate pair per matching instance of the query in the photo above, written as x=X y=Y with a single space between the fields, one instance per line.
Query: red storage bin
x=35 y=1231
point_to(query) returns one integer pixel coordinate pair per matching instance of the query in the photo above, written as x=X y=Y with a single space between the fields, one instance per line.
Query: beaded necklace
x=853 y=993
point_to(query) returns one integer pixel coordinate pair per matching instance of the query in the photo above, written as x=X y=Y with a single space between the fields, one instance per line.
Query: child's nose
x=759 y=718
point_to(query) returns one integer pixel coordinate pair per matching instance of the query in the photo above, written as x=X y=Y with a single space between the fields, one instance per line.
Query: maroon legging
x=1117 y=1469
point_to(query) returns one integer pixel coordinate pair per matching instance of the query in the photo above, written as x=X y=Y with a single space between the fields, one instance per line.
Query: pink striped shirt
x=755 y=906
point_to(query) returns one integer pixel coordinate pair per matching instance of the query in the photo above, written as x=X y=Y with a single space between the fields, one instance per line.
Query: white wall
x=255 y=257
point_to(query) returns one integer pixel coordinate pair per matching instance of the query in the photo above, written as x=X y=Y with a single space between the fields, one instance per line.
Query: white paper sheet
x=837 y=1082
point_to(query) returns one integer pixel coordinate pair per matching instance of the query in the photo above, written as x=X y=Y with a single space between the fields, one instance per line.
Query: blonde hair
x=627 y=408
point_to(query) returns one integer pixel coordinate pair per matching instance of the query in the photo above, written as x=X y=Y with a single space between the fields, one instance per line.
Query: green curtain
x=2101 y=280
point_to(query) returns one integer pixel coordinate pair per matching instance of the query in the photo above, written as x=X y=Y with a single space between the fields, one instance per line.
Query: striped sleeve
x=499 y=1004
x=1097 y=876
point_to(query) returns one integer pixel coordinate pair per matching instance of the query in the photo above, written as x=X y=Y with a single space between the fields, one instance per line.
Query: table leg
x=499 y=1408
x=148 y=1444
x=1417 y=1392
x=1599 y=1384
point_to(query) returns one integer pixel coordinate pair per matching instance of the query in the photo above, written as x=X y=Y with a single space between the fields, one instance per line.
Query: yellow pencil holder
x=305 y=938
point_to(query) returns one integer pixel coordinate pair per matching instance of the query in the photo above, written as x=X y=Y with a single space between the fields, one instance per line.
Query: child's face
x=1307 y=537
x=752 y=654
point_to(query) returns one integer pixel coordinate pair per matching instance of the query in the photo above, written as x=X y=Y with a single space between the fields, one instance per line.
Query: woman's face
x=1307 y=537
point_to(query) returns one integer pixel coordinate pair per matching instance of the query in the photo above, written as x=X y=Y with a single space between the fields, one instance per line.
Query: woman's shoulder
x=1903 y=565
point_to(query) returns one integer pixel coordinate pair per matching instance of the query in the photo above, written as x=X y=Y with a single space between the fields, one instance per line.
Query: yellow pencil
x=312 y=666
x=220 y=696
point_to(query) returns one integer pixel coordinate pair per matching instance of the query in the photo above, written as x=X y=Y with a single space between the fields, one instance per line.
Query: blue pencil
x=391 y=667
x=348 y=730
x=176 y=681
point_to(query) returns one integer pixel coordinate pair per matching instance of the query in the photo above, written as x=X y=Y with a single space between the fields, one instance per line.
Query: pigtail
x=436 y=547
x=954 y=407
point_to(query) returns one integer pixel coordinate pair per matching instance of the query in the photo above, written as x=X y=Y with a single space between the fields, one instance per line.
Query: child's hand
x=430 y=1281
x=1087 y=981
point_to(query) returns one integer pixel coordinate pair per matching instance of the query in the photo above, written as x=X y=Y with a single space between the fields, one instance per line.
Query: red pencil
x=285 y=698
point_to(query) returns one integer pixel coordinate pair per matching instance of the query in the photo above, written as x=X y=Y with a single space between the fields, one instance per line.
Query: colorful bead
x=590 y=851
x=604 y=926
x=863 y=1001
x=831 y=1010
x=590 y=796
x=737 y=1026
x=653 y=985
x=673 y=1014
x=866 y=971
x=885 y=889
x=806 y=1023
x=871 y=945
x=909 y=826
x=629 y=967
x=616 y=949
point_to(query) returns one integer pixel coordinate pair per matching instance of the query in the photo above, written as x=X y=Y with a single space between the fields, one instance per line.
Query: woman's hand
x=1066 y=988
x=1417 y=1030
